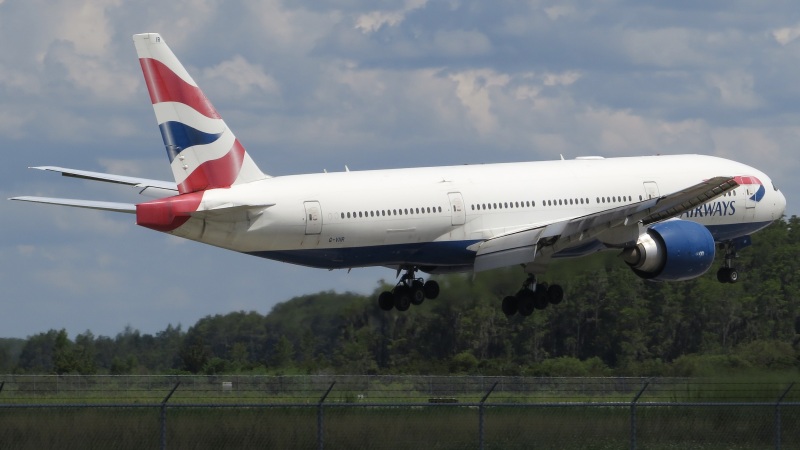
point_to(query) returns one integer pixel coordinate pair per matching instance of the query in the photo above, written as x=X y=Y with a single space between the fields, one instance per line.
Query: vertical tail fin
x=203 y=151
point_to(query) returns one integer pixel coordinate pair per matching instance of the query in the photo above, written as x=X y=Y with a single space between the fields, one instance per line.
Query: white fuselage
x=429 y=216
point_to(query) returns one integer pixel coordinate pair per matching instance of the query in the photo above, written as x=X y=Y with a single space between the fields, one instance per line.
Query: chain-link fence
x=394 y=412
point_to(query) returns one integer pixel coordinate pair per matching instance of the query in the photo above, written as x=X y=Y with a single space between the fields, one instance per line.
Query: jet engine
x=675 y=250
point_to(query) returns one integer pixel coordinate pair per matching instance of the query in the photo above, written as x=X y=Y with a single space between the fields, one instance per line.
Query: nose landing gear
x=532 y=296
x=409 y=291
x=727 y=273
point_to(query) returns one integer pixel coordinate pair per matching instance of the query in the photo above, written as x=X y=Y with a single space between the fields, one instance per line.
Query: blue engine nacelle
x=675 y=250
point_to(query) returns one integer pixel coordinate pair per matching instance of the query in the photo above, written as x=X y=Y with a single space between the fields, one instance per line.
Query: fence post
x=778 y=417
x=164 y=416
x=320 y=414
x=633 y=413
x=481 y=437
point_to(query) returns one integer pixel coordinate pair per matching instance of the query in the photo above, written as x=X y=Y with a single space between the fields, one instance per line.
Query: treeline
x=610 y=322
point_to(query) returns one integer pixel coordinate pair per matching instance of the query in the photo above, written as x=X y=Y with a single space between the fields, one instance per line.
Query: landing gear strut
x=409 y=291
x=727 y=273
x=532 y=296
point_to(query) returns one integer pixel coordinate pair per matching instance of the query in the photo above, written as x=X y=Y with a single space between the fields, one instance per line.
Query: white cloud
x=786 y=35
x=85 y=24
x=561 y=79
x=96 y=75
x=734 y=141
x=244 y=77
x=735 y=89
x=559 y=11
x=295 y=29
x=622 y=132
x=374 y=20
x=473 y=88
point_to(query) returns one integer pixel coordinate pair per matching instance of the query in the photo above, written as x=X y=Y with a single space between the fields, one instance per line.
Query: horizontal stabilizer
x=147 y=187
x=88 y=204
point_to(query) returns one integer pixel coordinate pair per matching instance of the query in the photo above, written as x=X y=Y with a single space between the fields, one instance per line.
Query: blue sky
x=310 y=85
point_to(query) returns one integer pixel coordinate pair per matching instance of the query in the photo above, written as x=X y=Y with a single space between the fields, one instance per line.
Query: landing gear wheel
x=733 y=275
x=386 y=301
x=525 y=305
x=727 y=275
x=417 y=292
x=540 y=298
x=402 y=298
x=431 y=289
x=510 y=305
x=555 y=294
x=722 y=275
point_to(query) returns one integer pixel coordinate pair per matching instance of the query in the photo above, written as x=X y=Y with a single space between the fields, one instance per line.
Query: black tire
x=540 y=298
x=417 y=292
x=386 y=301
x=555 y=294
x=525 y=302
x=510 y=305
x=431 y=289
x=722 y=275
x=402 y=298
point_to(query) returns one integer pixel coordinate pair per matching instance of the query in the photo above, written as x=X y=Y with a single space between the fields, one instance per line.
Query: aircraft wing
x=522 y=245
x=88 y=204
x=147 y=187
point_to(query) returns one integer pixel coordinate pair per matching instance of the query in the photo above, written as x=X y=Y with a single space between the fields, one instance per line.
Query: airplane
x=665 y=215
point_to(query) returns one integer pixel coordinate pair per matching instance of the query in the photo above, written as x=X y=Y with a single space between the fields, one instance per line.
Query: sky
x=309 y=86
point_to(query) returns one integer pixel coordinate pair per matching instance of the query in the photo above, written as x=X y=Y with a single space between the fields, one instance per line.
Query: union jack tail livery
x=203 y=151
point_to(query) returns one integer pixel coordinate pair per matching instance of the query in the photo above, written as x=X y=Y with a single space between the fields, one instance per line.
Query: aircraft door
x=750 y=190
x=457 y=210
x=651 y=190
x=313 y=217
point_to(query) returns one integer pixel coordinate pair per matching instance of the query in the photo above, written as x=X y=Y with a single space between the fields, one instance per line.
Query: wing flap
x=514 y=248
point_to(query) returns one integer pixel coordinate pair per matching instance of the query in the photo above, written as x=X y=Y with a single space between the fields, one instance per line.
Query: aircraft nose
x=780 y=203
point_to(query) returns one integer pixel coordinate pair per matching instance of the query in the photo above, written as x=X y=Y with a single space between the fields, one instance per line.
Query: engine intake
x=675 y=250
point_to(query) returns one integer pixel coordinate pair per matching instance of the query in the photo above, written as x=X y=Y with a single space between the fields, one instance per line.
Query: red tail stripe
x=167 y=214
x=164 y=86
x=217 y=173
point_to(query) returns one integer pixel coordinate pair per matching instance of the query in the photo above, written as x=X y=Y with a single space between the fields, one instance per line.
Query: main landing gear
x=409 y=291
x=532 y=296
x=727 y=273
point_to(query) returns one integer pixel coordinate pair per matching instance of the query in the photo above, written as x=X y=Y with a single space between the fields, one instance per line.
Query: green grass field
x=124 y=413
x=356 y=427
